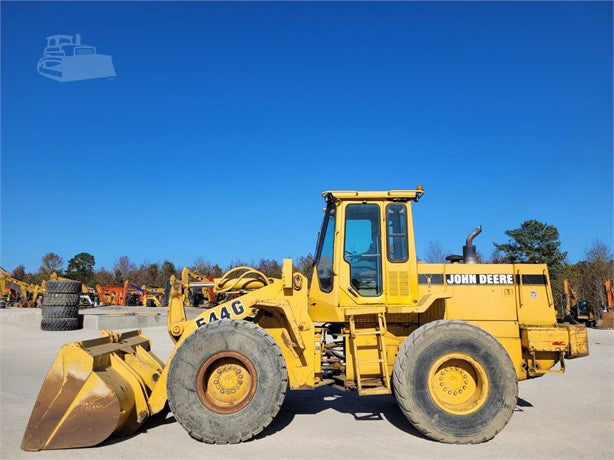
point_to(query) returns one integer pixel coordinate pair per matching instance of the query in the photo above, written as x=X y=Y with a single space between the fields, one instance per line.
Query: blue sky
x=227 y=120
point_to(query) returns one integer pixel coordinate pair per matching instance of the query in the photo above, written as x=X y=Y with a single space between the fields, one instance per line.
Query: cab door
x=361 y=279
x=400 y=275
x=324 y=289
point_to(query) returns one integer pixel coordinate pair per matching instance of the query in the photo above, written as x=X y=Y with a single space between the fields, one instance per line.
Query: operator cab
x=364 y=254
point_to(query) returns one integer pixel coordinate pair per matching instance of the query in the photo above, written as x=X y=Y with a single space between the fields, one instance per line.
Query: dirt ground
x=558 y=416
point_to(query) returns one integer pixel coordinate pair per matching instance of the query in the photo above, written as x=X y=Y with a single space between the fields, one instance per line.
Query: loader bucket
x=94 y=388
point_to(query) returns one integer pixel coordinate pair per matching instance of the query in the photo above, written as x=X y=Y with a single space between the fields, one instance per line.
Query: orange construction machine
x=130 y=295
x=608 y=316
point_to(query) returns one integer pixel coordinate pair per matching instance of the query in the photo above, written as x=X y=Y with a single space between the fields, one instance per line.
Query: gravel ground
x=558 y=416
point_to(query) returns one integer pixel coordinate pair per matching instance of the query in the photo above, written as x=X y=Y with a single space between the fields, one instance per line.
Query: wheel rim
x=226 y=382
x=458 y=384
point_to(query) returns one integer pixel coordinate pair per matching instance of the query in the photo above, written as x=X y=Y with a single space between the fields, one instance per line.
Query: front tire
x=227 y=381
x=455 y=382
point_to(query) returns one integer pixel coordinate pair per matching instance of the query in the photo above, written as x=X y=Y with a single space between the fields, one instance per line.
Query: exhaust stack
x=469 y=251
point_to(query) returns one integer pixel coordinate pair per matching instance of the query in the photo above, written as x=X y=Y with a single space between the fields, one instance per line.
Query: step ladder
x=369 y=386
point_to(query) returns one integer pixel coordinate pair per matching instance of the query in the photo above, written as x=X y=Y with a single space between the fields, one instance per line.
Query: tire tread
x=400 y=368
x=243 y=434
x=60 y=300
x=59 y=324
x=63 y=311
x=63 y=287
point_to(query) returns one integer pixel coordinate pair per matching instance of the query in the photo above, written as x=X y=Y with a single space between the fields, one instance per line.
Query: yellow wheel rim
x=458 y=384
x=226 y=382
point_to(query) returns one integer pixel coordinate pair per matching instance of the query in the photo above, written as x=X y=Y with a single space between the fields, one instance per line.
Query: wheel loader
x=449 y=341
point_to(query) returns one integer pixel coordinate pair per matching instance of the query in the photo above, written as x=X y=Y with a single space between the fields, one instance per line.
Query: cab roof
x=346 y=195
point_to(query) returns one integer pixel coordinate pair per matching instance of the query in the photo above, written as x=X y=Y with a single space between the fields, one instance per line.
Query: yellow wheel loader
x=450 y=341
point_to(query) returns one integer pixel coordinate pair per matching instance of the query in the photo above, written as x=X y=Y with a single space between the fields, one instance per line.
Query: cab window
x=324 y=257
x=396 y=227
x=362 y=249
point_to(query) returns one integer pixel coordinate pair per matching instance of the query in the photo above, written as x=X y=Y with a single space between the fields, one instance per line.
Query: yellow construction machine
x=577 y=311
x=17 y=293
x=152 y=296
x=197 y=288
x=207 y=291
x=450 y=341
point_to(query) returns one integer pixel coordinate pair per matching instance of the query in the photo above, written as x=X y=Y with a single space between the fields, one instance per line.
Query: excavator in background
x=134 y=295
x=152 y=296
x=146 y=296
x=130 y=295
x=206 y=291
x=17 y=293
x=198 y=288
x=577 y=311
x=585 y=313
x=571 y=299
x=113 y=295
x=607 y=318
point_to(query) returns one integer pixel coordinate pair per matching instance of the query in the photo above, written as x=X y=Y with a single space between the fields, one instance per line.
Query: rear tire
x=63 y=287
x=227 y=382
x=59 y=300
x=59 y=324
x=455 y=382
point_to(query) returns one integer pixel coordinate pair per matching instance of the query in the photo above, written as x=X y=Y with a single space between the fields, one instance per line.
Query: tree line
x=533 y=242
x=81 y=267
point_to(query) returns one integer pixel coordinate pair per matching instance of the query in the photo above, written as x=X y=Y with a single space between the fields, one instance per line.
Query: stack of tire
x=61 y=306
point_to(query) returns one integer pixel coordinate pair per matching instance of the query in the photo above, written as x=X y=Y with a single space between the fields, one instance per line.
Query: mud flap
x=94 y=388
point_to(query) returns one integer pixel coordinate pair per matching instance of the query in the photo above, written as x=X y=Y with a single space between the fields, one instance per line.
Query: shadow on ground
x=522 y=403
x=366 y=409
